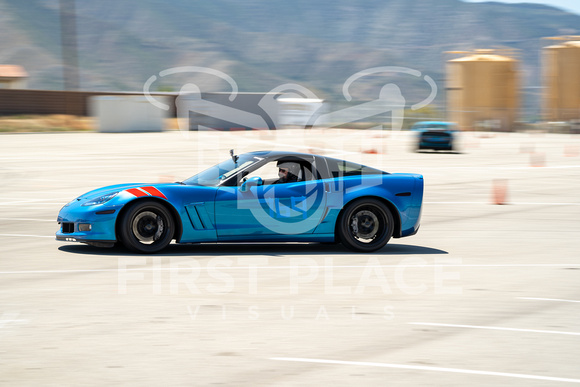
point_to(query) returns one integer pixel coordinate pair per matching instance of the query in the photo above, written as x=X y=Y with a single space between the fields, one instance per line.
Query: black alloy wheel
x=147 y=227
x=365 y=225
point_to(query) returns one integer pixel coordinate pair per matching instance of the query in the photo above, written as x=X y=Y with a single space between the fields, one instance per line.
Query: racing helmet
x=292 y=167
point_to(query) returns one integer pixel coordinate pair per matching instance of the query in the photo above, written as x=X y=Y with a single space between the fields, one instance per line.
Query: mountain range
x=262 y=44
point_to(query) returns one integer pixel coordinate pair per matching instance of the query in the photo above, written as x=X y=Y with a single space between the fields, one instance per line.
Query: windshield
x=435 y=126
x=221 y=172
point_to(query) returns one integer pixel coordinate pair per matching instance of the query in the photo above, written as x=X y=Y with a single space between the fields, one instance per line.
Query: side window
x=302 y=169
x=350 y=169
x=341 y=168
x=268 y=172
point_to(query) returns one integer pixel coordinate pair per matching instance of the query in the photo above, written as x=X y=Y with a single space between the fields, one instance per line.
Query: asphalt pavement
x=487 y=293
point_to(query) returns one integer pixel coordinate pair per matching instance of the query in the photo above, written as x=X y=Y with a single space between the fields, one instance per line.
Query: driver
x=287 y=172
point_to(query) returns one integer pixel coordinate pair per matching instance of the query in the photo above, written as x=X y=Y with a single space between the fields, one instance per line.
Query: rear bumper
x=435 y=145
x=415 y=210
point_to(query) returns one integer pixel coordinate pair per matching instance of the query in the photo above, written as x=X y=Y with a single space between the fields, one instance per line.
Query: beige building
x=561 y=80
x=482 y=91
x=12 y=77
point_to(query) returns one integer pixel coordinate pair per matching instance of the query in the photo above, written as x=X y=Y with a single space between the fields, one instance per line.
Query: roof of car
x=303 y=156
x=435 y=126
x=271 y=153
x=445 y=123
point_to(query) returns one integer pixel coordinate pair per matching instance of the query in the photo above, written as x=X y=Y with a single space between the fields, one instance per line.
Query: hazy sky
x=568 y=5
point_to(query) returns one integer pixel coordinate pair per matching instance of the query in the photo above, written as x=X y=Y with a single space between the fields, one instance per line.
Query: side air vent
x=199 y=217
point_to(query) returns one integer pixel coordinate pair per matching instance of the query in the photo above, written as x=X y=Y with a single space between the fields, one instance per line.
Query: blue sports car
x=266 y=196
x=436 y=135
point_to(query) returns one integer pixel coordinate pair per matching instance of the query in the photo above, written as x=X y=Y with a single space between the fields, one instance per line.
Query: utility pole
x=68 y=32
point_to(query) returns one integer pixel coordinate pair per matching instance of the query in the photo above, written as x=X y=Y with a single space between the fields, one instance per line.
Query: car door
x=248 y=210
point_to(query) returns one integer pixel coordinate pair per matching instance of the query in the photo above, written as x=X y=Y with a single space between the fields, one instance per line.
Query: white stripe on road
x=27 y=236
x=494 y=167
x=545 y=299
x=427 y=368
x=511 y=203
x=496 y=328
x=54 y=202
x=30 y=220
x=183 y=267
x=10 y=318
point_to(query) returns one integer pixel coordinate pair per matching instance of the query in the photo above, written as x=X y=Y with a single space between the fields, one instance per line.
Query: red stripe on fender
x=153 y=191
x=136 y=192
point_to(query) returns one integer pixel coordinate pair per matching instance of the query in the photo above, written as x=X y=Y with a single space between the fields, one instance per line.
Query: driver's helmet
x=293 y=168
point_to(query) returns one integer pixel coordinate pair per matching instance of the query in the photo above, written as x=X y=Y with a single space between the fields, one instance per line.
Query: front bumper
x=101 y=218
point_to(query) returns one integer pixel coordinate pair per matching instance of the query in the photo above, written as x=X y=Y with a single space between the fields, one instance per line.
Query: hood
x=122 y=187
x=110 y=189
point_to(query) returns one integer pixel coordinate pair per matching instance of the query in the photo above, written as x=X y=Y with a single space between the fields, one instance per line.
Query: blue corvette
x=436 y=135
x=254 y=197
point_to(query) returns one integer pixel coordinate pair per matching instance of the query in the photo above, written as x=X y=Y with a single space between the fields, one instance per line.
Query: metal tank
x=561 y=80
x=482 y=91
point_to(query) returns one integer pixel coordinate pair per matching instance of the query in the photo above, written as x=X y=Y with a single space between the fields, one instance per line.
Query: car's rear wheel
x=365 y=225
x=147 y=227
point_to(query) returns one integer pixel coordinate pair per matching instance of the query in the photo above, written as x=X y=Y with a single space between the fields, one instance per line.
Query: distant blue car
x=436 y=135
x=254 y=197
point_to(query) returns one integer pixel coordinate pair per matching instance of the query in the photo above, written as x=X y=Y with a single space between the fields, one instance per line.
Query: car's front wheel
x=147 y=227
x=365 y=225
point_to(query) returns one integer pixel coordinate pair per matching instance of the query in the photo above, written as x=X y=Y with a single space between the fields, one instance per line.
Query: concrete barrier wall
x=127 y=113
x=76 y=103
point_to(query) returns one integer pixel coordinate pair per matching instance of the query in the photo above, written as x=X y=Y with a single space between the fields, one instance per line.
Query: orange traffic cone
x=538 y=159
x=499 y=191
x=571 y=150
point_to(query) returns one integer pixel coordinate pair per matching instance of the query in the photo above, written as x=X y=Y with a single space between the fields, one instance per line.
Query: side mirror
x=251 y=182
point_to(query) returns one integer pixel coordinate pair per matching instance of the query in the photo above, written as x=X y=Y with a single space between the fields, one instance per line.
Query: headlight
x=100 y=199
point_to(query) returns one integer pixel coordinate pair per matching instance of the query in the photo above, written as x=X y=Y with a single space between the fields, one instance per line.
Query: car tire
x=147 y=227
x=365 y=225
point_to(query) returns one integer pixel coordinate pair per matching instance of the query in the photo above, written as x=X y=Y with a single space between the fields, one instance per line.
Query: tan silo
x=482 y=91
x=561 y=81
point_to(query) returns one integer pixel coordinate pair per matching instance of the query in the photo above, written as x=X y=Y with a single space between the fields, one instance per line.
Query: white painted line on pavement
x=26 y=236
x=513 y=203
x=495 y=328
x=184 y=267
x=54 y=202
x=74 y=158
x=45 y=207
x=427 y=368
x=494 y=167
x=11 y=318
x=29 y=219
x=545 y=299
